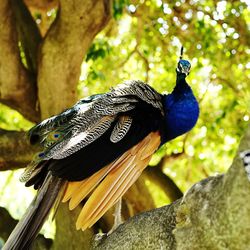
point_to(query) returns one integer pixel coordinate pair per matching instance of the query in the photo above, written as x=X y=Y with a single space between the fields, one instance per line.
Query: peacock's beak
x=186 y=71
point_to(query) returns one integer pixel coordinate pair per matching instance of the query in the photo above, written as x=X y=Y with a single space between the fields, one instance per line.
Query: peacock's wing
x=110 y=183
x=93 y=119
x=51 y=132
x=113 y=120
x=102 y=145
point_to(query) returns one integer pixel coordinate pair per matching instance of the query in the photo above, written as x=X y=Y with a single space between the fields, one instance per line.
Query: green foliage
x=118 y=7
x=99 y=49
x=12 y=120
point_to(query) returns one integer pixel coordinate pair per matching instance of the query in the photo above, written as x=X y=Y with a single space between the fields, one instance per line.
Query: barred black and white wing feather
x=90 y=119
x=121 y=128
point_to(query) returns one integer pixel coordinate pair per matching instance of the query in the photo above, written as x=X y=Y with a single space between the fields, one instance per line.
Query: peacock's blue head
x=183 y=67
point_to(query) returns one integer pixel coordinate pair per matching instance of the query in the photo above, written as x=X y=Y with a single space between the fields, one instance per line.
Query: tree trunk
x=63 y=50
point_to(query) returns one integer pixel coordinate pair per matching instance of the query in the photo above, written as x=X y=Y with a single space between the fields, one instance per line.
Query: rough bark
x=63 y=50
x=42 y=5
x=15 y=150
x=73 y=239
x=213 y=214
x=17 y=86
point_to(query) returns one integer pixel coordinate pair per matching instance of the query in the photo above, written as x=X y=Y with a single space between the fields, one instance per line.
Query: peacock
x=98 y=148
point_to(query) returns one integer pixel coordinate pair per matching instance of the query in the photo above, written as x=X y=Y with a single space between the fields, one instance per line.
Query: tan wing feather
x=112 y=185
x=102 y=195
x=87 y=186
x=71 y=189
x=118 y=191
x=77 y=191
x=114 y=180
x=131 y=173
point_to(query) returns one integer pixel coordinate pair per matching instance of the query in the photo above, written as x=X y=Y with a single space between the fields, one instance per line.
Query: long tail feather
x=29 y=226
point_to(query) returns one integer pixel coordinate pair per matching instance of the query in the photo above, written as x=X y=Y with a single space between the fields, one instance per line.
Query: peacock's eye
x=40 y=155
x=56 y=136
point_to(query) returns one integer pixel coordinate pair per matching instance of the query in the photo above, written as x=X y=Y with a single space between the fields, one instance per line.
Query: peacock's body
x=99 y=147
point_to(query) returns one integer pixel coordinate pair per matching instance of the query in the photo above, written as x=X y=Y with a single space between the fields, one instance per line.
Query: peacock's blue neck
x=181 y=109
x=181 y=85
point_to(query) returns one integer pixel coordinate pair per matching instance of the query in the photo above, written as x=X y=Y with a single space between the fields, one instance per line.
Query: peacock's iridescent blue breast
x=181 y=114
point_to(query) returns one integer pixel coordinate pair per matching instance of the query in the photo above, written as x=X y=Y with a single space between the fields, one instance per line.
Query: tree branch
x=229 y=84
x=7 y=223
x=63 y=50
x=66 y=226
x=28 y=32
x=164 y=182
x=17 y=86
x=16 y=152
x=44 y=5
x=213 y=214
